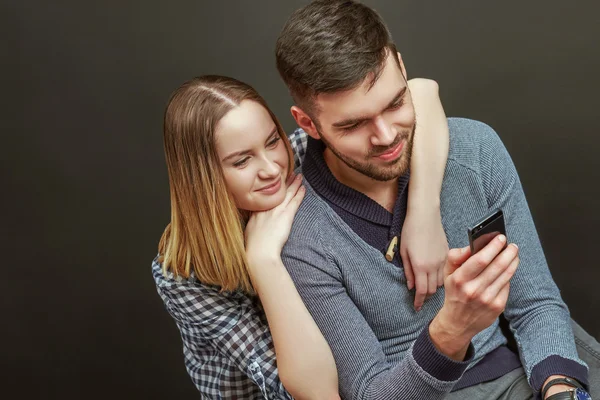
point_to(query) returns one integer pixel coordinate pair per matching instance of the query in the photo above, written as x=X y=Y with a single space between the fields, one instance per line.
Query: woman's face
x=253 y=156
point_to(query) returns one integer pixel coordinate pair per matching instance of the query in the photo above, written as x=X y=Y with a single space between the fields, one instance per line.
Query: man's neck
x=382 y=192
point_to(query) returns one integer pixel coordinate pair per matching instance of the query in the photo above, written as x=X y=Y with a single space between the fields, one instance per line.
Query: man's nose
x=383 y=134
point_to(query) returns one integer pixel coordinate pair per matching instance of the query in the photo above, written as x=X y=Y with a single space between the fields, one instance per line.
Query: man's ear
x=402 y=68
x=305 y=122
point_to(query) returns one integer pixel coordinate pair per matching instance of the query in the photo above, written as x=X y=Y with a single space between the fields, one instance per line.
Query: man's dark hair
x=329 y=46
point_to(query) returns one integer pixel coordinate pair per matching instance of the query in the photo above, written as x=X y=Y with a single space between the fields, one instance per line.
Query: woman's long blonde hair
x=206 y=229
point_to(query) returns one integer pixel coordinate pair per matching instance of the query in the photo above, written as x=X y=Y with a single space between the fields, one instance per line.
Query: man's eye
x=352 y=127
x=242 y=162
x=397 y=104
x=274 y=142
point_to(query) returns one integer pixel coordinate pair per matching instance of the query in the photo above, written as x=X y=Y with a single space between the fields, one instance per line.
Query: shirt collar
x=318 y=175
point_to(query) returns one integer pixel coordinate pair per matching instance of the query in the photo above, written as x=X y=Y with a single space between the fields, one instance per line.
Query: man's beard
x=392 y=170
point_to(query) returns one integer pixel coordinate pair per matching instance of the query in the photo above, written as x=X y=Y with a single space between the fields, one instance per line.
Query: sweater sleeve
x=539 y=319
x=363 y=370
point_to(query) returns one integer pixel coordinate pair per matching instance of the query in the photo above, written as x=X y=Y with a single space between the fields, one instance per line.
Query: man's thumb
x=456 y=258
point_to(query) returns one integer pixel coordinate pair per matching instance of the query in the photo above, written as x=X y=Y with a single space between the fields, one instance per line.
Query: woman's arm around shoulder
x=423 y=244
x=304 y=360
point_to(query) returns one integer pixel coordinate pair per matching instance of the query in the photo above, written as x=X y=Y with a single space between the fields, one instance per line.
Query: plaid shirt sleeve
x=228 y=348
x=298 y=141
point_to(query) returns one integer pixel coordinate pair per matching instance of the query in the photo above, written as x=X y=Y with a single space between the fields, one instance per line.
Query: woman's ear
x=305 y=122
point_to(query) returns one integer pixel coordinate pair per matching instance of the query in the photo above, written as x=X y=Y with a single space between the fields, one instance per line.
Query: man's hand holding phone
x=476 y=288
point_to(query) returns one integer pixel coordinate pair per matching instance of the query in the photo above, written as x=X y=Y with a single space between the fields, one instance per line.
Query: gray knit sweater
x=361 y=304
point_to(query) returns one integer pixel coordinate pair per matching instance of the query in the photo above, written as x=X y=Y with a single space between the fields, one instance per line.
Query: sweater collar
x=317 y=173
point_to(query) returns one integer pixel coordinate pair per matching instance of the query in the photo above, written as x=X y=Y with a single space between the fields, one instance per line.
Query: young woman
x=245 y=331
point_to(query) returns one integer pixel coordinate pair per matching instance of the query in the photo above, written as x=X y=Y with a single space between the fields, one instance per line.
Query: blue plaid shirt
x=227 y=347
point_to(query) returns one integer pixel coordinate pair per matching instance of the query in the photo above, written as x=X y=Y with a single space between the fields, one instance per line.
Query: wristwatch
x=577 y=393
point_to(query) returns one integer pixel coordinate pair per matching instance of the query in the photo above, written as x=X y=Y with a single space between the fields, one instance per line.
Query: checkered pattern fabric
x=298 y=140
x=227 y=347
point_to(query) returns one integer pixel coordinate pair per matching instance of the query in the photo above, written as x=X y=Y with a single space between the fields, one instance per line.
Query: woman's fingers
x=293 y=197
x=290 y=179
x=408 y=270
x=422 y=288
x=295 y=202
x=432 y=278
x=440 y=277
x=292 y=189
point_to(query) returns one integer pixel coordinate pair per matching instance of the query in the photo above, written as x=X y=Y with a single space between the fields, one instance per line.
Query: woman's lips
x=272 y=188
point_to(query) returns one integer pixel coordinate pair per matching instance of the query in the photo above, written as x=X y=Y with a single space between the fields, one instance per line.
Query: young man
x=349 y=86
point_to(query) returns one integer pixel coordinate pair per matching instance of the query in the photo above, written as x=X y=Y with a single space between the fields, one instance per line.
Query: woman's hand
x=423 y=248
x=267 y=231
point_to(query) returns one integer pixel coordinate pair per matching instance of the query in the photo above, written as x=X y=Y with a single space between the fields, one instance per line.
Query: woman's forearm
x=304 y=360
x=423 y=243
x=430 y=147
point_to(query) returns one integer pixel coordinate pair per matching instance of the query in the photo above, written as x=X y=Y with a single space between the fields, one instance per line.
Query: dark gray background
x=85 y=189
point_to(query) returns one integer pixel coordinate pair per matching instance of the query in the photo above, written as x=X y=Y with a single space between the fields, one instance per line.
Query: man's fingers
x=503 y=295
x=498 y=301
x=440 y=277
x=456 y=257
x=496 y=287
x=497 y=267
x=477 y=263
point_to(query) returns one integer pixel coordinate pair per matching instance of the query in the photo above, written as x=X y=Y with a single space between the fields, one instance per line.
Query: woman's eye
x=242 y=162
x=273 y=142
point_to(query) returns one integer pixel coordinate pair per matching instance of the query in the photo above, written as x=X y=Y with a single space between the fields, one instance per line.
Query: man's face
x=369 y=129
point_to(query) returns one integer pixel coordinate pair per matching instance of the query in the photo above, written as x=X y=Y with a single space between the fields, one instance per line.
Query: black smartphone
x=485 y=230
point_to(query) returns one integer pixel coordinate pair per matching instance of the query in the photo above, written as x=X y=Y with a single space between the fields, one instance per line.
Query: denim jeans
x=514 y=386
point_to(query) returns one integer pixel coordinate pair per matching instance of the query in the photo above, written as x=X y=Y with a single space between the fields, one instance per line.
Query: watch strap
x=568 y=395
x=561 y=381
